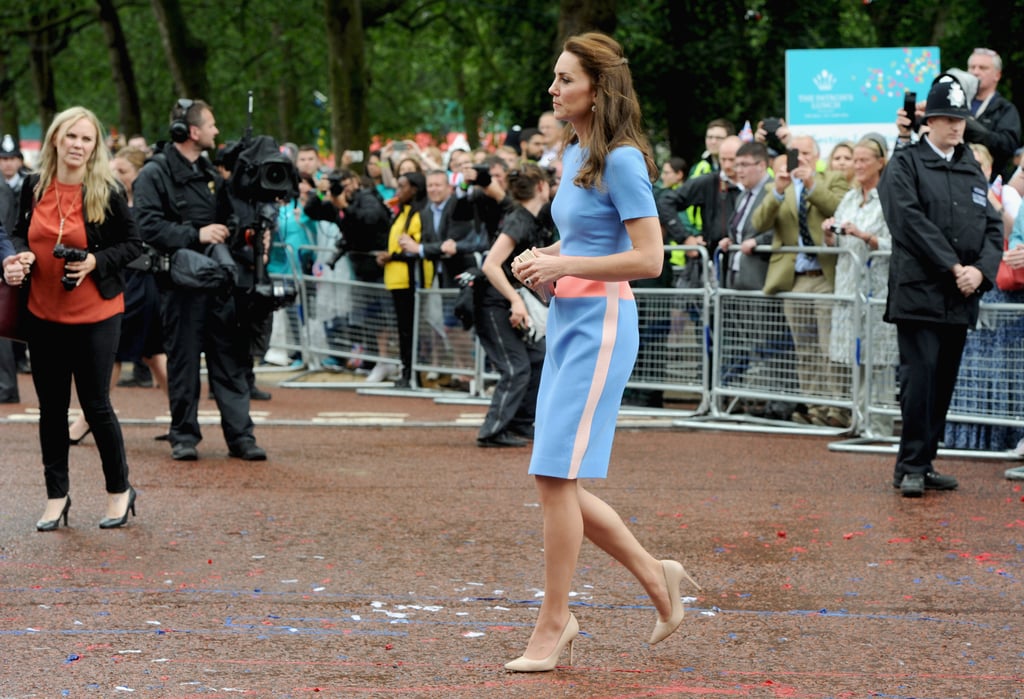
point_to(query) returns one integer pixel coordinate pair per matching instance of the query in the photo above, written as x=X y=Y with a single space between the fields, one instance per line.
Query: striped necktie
x=801 y=214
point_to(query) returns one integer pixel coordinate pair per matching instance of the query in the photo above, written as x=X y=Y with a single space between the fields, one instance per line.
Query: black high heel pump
x=115 y=522
x=53 y=524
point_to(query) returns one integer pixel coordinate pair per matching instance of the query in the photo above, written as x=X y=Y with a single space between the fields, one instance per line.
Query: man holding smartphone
x=799 y=201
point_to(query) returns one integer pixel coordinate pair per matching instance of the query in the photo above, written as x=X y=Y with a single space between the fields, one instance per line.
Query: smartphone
x=910 y=107
x=792 y=159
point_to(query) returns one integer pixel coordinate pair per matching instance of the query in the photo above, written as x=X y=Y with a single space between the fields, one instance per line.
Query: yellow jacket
x=396 y=271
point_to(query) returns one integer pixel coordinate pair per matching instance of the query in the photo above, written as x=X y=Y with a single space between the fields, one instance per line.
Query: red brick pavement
x=403 y=561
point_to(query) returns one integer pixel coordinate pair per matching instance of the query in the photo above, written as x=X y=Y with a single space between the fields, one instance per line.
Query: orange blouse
x=47 y=298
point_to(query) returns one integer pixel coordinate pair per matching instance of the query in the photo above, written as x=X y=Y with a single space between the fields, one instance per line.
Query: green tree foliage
x=459 y=65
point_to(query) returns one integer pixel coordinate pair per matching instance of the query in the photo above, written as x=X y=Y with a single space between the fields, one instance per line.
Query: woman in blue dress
x=608 y=224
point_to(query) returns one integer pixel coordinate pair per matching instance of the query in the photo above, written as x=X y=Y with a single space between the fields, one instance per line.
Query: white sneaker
x=1015 y=474
x=381 y=371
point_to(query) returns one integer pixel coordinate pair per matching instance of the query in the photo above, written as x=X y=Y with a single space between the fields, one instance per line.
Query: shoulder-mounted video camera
x=261 y=177
x=260 y=172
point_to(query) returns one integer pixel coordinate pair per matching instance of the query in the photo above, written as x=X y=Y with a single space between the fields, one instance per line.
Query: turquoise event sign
x=840 y=93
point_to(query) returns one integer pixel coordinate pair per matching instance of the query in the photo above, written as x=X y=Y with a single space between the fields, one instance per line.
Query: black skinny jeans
x=86 y=352
x=405 y=315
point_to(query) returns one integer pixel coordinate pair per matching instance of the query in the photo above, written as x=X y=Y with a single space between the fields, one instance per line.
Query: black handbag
x=12 y=312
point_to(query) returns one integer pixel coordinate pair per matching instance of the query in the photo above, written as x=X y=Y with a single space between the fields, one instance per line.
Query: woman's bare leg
x=563 y=535
x=603 y=526
x=158 y=367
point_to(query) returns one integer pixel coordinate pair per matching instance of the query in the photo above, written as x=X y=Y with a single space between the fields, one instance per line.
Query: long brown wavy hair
x=616 y=121
x=99 y=178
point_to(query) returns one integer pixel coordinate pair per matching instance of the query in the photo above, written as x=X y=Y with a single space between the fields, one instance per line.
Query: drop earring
x=593 y=107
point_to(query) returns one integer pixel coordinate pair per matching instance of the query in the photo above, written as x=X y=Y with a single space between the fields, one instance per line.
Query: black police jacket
x=173 y=200
x=938 y=214
x=114 y=243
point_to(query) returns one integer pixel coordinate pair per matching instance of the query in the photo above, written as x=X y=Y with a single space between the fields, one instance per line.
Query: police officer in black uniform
x=180 y=203
x=947 y=242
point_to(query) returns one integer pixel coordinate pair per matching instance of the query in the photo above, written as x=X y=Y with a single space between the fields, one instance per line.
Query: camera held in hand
x=483 y=175
x=837 y=229
x=63 y=252
x=771 y=140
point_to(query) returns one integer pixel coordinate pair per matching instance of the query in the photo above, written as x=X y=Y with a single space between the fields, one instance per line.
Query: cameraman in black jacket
x=364 y=221
x=362 y=217
x=180 y=204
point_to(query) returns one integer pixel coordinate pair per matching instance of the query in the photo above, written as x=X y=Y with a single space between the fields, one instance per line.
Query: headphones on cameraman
x=179 y=130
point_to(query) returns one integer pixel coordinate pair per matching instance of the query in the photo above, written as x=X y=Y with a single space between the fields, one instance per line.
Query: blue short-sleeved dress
x=592 y=335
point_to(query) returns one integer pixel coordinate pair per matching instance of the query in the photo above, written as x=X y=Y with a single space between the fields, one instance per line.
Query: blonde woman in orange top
x=75 y=234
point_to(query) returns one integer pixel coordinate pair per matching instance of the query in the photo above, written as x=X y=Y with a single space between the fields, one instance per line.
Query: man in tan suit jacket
x=810 y=323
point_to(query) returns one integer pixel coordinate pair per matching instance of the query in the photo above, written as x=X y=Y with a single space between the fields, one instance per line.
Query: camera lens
x=275 y=174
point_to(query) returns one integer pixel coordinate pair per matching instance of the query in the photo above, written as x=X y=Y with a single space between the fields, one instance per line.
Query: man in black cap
x=12 y=164
x=947 y=242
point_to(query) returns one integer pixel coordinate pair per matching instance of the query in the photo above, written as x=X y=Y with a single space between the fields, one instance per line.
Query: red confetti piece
x=388 y=647
x=781 y=535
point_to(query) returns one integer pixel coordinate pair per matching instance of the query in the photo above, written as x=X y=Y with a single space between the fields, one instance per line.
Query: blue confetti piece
x=72 y=658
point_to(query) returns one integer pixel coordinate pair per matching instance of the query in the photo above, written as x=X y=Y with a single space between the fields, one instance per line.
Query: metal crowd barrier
x=729 y=354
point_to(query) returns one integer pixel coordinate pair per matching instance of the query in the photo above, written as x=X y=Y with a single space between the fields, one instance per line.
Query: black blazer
x=114 y=243
x=457 y=224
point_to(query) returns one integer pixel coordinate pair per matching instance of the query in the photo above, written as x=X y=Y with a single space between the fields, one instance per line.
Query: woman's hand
x=1014 y=258
x=537 y=270
x=518 y=317
x=408 y=244
x=17 y=267
x=80 y=270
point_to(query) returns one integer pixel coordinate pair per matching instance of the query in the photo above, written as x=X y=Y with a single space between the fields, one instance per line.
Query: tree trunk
x=8 y=103
x=186 y=55
x=346 y=61
x=41 y=50
x=578 y=16
x=129 y=112
x=287 y=94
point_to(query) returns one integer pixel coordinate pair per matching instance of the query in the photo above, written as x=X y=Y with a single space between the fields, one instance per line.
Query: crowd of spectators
x=407 y=217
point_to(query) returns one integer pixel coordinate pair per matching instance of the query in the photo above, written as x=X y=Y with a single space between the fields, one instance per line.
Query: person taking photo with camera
x=179 y=205
x=75 y=235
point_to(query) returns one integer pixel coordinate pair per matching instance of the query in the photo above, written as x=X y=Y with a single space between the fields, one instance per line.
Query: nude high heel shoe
x=524 y=664
x=674 y=574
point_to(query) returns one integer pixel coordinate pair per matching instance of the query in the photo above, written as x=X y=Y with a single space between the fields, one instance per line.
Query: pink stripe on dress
x=574 y=288
x=609 y=332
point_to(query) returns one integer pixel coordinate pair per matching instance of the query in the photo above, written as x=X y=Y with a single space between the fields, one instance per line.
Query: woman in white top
x=861 y=231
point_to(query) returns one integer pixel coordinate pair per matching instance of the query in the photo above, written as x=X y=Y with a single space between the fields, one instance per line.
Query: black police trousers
x=929 y=364
x=197 y=321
